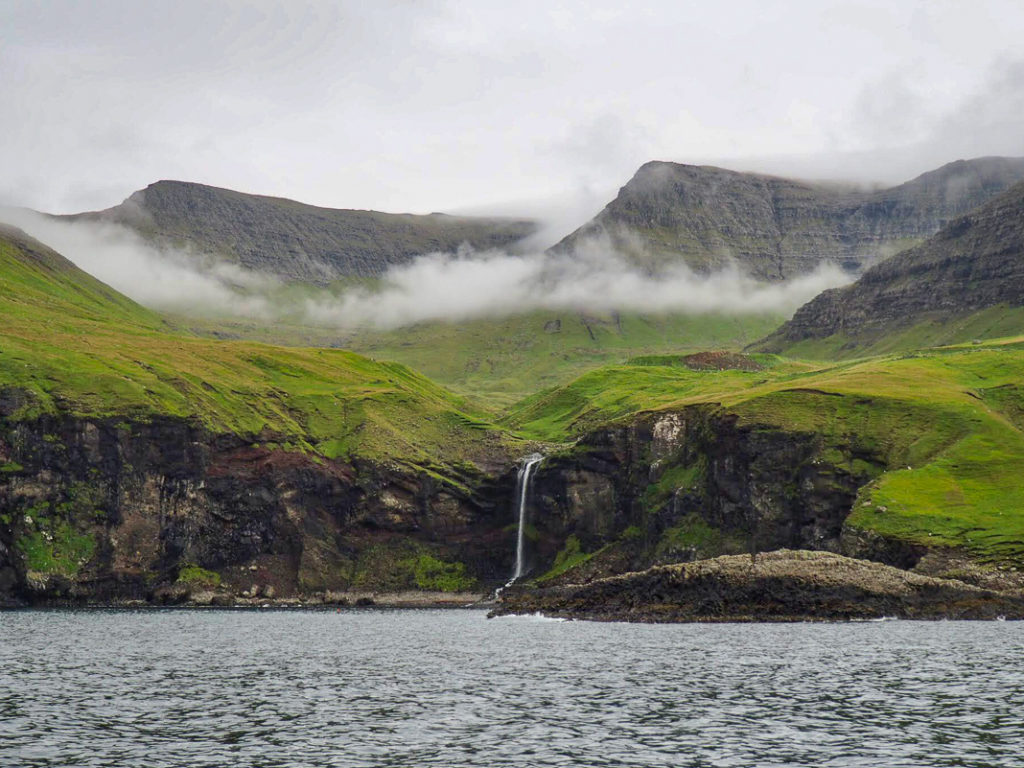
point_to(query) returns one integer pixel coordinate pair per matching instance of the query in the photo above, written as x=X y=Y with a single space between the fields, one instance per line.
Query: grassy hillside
x=76 y=345
x=499 y=361
x=948 y=423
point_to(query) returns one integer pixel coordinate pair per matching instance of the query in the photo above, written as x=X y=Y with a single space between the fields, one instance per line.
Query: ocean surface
x=451 y=688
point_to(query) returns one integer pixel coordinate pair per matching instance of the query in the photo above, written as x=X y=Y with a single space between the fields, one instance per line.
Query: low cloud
x=595 y=278
x=165 y=279
x=438 y=286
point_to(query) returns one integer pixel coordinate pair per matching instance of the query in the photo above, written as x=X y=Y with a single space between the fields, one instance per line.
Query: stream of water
x=523 y=494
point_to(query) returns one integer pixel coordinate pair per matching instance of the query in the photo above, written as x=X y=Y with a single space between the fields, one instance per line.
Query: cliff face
x=776 y=228
x=108 y=510
x=102 y=510
x=296 y=241
x=975 y=262
x=694 y=484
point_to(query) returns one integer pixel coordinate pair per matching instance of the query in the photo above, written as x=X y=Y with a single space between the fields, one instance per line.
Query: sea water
x=452 y=688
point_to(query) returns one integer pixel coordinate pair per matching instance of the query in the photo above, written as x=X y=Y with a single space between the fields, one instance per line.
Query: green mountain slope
x=499 y=361
x=38 y=285
x=777 y=228
x=74 y=345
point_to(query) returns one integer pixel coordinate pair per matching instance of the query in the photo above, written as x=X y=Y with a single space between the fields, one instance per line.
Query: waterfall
x=523 y=493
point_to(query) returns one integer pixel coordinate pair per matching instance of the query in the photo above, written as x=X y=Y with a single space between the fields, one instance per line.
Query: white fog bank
x=465 y=285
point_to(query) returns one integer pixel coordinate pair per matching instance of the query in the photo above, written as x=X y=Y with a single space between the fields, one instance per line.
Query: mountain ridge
x=974 y=263
x=292 y=240
x=776 y=228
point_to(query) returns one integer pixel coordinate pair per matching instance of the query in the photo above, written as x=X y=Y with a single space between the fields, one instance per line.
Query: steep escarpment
x=775 y=586
x=295 y=241
x=975 y=263
x=692 y=484
x=106 y=510
x=775 y=228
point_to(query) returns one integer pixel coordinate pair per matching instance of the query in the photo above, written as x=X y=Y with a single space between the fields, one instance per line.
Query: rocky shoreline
x=784 y=585
x=222 y=600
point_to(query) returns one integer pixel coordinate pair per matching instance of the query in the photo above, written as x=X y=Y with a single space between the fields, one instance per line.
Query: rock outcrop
x=692 y=484
x=295 y=241
x=114 y=510
x=775 y=228
x=775 y=586
x=975 y=262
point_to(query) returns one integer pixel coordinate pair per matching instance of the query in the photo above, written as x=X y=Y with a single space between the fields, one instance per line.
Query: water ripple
x=449 y=688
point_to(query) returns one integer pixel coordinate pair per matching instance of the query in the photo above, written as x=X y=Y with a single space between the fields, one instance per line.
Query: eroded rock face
x=974 y=263
x=775 y=586
x=109 y=510
x=295 y=241
x=774 y=228
x=691 y=484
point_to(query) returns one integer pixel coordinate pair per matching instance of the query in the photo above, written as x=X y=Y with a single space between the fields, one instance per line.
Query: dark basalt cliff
x=295 y=241
x=775 y=586
x=975 y=262
x=693 y=484
x=775 y=228
x=105 y=511
x=112 y=510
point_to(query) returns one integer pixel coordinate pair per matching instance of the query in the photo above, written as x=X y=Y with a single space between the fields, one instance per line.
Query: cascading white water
x=523 y=492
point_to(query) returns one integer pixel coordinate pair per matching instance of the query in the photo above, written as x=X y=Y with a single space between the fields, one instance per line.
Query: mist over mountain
x=775 y=228
x=677 y=239
x=974 y=263
x=292 y=240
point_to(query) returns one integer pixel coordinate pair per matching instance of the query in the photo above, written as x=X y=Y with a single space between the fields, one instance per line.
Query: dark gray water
x=418 y=688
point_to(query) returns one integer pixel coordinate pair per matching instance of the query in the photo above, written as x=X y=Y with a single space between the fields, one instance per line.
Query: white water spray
x=523 y=491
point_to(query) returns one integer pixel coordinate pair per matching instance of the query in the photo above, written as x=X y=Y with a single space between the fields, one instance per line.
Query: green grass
x=56 y=549
x=693 y=535
x=569 y=557
x=194 y=576
x=499 y=361
x=404 y=563
x=945 y=423
x=431 y=573
x=562 y=413
x=76 y=346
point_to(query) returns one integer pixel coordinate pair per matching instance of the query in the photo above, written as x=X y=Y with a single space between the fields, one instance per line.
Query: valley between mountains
x=152 y=458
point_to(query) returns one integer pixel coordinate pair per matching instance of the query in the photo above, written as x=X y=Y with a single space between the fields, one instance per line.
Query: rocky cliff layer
x=693 y=484
x=295 y=241
x=110 y=510
x=775 y=228
x=775 y=586
x=975 y=262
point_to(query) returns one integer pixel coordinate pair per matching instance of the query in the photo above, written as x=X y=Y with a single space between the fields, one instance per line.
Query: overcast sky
x=424 y=106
